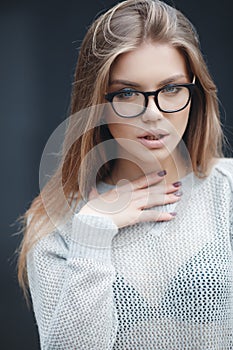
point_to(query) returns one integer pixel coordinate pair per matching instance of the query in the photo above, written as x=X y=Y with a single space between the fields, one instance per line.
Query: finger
x=153 y=215
x=155 y=199
x=155 y=189
x=144 y=181
x=174 y=187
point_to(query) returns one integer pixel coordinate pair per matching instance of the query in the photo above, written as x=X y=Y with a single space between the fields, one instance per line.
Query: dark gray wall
x=39 y=48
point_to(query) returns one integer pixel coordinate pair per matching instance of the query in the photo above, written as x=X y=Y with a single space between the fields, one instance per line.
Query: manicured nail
x=173 y=213
x=162 y=173
x=177 y=184
x=178 y=193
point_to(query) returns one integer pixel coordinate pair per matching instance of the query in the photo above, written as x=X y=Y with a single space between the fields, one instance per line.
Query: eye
x=126 y=94
x=171 y=89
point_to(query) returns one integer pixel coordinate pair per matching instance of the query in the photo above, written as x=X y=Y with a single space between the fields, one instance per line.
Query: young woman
x=144 y=261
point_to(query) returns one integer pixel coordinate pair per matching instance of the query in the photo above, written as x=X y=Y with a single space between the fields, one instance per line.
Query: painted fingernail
x=162 y=173
x=173 y=213
x=178 y=193
x=177 y=184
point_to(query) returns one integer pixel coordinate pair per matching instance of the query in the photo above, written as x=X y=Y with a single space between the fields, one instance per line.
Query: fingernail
x=162 y=173
x=177 y=184
x=173 y=213
x=178 y=193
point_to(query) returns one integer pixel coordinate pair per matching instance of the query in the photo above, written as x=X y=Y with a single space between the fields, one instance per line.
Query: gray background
x=39 y=48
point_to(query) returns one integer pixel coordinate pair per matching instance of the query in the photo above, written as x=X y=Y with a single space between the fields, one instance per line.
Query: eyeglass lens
x=130 y=103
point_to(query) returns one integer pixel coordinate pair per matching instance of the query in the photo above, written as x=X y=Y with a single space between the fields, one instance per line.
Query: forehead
x=149 y=62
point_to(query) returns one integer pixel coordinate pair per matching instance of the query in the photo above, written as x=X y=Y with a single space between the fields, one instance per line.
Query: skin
x=147 y=68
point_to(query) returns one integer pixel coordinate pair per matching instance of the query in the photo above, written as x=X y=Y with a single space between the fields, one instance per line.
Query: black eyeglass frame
x=191 y=86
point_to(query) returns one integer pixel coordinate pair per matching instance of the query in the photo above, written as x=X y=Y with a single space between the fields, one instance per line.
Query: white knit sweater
x=148 y=286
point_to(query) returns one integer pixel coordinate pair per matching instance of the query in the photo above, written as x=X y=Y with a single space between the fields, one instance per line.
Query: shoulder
x=224 y=164
x=223 y=169
x=56 y=242
x=52 y=245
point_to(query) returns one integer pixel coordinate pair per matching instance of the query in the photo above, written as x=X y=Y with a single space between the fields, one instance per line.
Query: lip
x=154 y=133
x=153 y=143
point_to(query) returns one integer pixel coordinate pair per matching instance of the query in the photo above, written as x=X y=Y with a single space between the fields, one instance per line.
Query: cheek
x=180 y=122
x=116 y=129
x=122 y=130
x=119 y=127
x=121 y=134
x=112 y=121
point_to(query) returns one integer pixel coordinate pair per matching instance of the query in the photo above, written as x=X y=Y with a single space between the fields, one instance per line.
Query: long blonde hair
x=121 y=29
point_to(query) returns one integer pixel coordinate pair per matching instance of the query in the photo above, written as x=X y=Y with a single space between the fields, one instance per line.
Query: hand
x=125 y=204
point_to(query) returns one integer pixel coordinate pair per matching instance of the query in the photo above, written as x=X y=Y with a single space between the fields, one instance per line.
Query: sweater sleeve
x=71 y=286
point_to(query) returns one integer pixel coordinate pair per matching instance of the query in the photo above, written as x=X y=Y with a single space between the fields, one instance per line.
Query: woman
x=143 y=261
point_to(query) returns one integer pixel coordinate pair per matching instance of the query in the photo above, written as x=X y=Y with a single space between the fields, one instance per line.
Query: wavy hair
x=121 y=29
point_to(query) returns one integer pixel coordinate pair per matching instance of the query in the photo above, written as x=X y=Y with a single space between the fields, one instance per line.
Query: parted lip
x=156 y=132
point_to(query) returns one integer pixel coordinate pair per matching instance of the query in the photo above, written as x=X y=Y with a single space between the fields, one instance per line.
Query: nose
x=152 y=113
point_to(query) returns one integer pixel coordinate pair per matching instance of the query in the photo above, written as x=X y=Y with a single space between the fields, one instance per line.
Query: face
x=153 y=134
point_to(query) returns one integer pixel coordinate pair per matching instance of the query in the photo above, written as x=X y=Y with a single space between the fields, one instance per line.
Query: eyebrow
x=163 y=82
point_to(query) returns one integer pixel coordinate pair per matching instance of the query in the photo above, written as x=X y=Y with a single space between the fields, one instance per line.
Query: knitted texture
x=165 y=285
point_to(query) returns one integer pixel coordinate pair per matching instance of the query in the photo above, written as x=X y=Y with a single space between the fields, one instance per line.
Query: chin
x=150 y=157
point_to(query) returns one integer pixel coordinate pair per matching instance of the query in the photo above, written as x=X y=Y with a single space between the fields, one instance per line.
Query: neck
x=175 y=166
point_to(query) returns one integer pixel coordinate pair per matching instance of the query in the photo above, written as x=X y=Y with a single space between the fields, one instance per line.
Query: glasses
x=130 y=103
